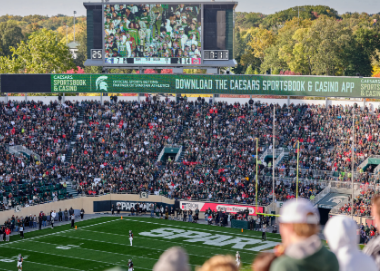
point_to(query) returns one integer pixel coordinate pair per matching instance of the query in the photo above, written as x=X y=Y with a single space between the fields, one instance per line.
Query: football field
x=103 y=243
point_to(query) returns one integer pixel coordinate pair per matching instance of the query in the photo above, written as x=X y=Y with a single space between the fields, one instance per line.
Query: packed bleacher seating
x=45 y=130
x=116 y=146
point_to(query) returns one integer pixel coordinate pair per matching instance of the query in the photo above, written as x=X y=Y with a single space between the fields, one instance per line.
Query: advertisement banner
x=125 y=206
x=217 y=84
x=229 y=208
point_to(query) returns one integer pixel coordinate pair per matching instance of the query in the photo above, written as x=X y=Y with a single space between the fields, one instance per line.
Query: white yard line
x=63 y=256
x=72 y=257
x=113 y=253
x=126 y=245
x=58 y=232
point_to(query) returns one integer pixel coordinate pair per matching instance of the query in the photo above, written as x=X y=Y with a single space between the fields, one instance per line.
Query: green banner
x=239 y=224
x=218 y=84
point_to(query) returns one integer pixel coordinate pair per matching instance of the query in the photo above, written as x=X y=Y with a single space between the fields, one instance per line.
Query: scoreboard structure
x=160 y=34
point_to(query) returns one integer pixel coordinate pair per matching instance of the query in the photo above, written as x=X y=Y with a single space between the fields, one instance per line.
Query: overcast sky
x=53 y=7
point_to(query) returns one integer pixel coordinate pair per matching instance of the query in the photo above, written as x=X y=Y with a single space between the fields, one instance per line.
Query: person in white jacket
x=342 y=238
x=52 y=218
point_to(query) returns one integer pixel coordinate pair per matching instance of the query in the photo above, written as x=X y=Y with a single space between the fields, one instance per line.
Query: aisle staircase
x=185 y=128
x=73 y=139
x=70 y=189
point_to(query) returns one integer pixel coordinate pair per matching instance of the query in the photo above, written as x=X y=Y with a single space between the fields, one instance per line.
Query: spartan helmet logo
x=101 y=83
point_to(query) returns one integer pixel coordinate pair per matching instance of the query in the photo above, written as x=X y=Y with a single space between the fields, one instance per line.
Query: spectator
x=172 y=213
x=7 y=233
x=35 y=220
x=341 y=234
x=40 y=220
x=303 y=248
x=52 y=218
x=81 y=213
x=60 y=215
x=66 y=213
x=220 y=263
x=44 y=219
x=373 y=247
x=173 y=259
x=2 y=233
x=72 y=217
x=263 y=261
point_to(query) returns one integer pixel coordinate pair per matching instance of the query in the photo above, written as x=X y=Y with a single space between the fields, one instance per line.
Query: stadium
x=190 y=136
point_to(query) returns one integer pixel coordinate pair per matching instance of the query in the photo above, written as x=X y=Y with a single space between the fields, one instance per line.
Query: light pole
x=257 y=166
x=274 y=152
x=298 y=158
x=352 y=162
x=74 y=24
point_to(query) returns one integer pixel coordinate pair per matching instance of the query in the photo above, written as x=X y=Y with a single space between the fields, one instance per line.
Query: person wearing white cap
x=303 y=250
x=340 y=232
x=173 y=259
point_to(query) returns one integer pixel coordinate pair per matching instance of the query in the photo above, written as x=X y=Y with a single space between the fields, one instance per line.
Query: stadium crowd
x=45 y=130
x=117 y=145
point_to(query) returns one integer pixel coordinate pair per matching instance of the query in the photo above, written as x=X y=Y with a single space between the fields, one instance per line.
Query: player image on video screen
x=152 y=32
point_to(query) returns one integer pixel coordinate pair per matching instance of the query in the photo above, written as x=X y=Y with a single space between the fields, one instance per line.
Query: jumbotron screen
x=152 y=34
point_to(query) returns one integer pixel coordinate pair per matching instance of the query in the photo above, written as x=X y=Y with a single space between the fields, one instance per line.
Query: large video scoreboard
x=160 y=34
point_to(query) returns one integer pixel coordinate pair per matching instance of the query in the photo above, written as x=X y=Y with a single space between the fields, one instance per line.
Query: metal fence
x=336 y=209
x=19 y=150
x=346 y=185
x=321 y=195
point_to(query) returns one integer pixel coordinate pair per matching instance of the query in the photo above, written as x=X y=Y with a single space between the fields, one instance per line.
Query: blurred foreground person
x=343 y=240
x=302 y=248
x=263 y=261
x=373 y=247
x=173 y=259
x=220 y=263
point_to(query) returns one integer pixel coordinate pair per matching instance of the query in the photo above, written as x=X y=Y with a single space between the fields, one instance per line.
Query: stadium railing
x=321 y=195
x=336 y=209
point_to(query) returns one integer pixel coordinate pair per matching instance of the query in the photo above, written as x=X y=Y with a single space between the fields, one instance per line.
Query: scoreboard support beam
x=26 y=97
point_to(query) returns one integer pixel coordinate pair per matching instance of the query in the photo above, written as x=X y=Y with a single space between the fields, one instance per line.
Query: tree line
x=318 y=42
x=308 y=40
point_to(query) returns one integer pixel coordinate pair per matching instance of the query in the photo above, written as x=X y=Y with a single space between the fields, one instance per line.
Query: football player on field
x=130 y=237
x=237 y=258
x=19 y=262
x=130 y=265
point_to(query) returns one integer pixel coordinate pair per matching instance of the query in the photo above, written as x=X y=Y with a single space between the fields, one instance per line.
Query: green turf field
x=102 y=243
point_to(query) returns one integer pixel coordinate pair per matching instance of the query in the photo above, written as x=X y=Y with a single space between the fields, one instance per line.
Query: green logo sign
x=218 y=84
